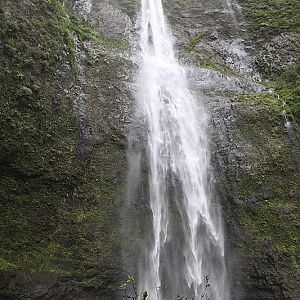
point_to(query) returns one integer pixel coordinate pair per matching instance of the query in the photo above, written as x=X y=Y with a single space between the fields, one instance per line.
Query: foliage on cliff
x=58 y=211
x=277 y=23
x=37 y=126
x=288 y=87
x=272 y=17
x=57 y=208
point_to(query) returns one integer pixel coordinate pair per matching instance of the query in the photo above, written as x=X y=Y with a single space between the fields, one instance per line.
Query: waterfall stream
x=185 y=241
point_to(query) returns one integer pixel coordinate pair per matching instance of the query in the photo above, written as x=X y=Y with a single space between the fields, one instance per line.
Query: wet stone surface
x=254 y=156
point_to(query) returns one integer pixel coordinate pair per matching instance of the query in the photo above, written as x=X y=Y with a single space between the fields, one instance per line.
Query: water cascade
x=185 y=242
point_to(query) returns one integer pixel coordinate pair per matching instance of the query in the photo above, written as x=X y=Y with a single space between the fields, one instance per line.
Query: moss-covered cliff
x=65 y=106
x=248 y=56
x=256 y=156
x=274 y=26
x=61 y=181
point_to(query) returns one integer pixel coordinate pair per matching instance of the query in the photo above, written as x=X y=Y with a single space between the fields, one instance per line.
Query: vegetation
x=265 y=190
x=272 y=17
x=205 y=58
x=57 y=209
x=130 y=291
x=269 y=18
x=288 y=88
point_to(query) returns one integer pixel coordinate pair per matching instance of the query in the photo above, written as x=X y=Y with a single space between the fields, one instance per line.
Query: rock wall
x=66 y=96
x=239 y=48
x=244 y=51
x=64 y=111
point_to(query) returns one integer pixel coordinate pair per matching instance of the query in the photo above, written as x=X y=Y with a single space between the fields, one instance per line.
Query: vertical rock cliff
x=66 y=105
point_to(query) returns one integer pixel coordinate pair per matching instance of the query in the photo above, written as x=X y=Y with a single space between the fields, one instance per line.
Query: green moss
x=70 y=230
x=57 y=213
x=269 y=17
x=194 y=41
x=261 y=116
x=206 y=58
x=261 y=123
x=266 y=186
x=5 y=265
x=82 y=29
x=87 y=32
x=275 y=222
x=288 y=88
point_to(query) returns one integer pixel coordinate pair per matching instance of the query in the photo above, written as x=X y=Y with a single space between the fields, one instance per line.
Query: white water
x=84 y=7
x=181 y=252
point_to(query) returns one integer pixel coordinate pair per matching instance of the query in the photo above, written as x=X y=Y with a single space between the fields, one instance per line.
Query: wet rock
x=267 y=193
x=253 y=198
x=277 y=54
x=110 y=20
x=245 y=126
x=25 y=96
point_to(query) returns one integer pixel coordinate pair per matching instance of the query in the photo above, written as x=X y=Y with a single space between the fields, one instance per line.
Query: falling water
x=182 y=250
x=230 y=7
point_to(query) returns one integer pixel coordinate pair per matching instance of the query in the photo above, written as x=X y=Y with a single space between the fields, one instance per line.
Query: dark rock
x=64 y=172
x=253 y=198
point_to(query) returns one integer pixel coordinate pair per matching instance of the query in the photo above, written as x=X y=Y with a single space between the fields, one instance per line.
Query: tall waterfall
x=185 y=242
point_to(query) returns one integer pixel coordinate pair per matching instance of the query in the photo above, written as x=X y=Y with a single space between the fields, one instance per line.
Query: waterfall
x=185 y=242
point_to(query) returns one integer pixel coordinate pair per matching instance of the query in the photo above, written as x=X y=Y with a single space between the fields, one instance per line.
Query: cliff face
x=66 y=86
x=63 y=113
x=255 y=136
